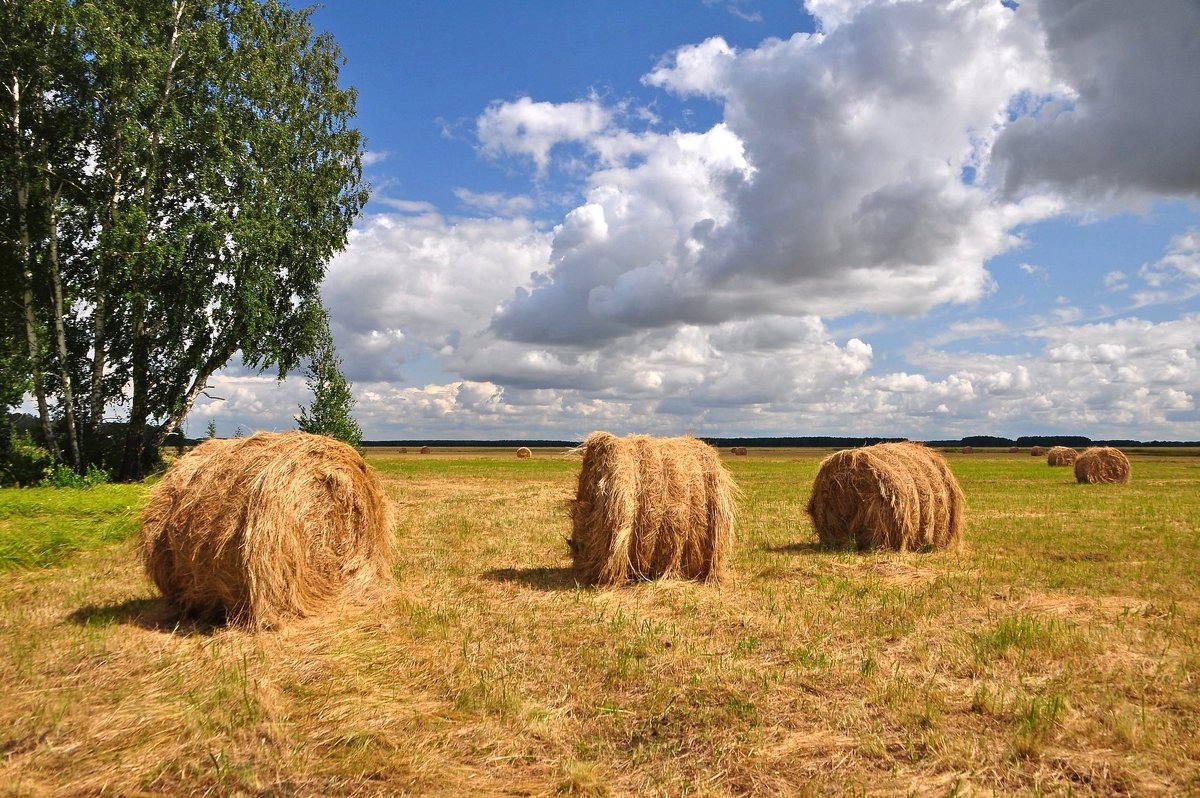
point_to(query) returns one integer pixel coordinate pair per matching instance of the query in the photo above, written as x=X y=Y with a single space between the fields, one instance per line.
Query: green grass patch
x=41 y=527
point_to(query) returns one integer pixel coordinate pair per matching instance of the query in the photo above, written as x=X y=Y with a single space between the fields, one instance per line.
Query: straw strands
x=897 y=496
x=1061 y=456
x=649 y=508
x=1102 y=464
x=268 y=528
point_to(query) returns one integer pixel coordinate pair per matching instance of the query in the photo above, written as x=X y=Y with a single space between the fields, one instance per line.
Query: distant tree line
x=174 y=177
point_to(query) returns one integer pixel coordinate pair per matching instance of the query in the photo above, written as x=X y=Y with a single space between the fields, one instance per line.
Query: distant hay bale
x=1014 y=450
x=897 y=496
x=403 y=450
x=740 y=451
x=425 y=450
x=260 y=530
x=1037 y=451
x=649 y=508
x=1102 y=464
x=524 y=452
x=1061 y=456
x=968 y=450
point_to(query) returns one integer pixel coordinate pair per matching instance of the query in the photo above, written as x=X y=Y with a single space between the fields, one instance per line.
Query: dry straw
x=1061 y=456
x=263 y=529
x=1037 y=451
x=740 y=451
x=649 y=508
x=968 y=450
x=524 y=452
x=425 y=450
x=1102 y=464
x=1014 y=450
x=897 y=496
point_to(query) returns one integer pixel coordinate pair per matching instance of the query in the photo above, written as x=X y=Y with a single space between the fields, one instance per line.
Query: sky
x=765 y=217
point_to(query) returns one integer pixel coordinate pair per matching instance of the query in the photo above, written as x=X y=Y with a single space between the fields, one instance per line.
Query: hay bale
x=1037 y=451
x=740 y=451
x=403 y=450
x=1102 y=464
x=897 y=496
x=426 y=450
x=1014 y=450
x=968 y=450
x=259 y=530
x=649 y=508
x=1061 y=456
x=524 y=452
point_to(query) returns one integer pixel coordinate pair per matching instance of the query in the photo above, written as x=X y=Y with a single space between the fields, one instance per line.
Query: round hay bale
x=1014 y=450
x=1061 y=456
x=1037 y=451
x=897 y=496
x=426 y=450
x=968 y=450
x=649 y=508
x=740 y=451
x=403 y=450
x=1102 y=464
x=256 y=531
x=524 y=452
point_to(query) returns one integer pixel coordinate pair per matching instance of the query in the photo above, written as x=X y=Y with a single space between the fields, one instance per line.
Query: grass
x=1057 y=655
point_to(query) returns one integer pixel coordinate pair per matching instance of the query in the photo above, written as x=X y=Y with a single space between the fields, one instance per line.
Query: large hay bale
x=263 y=529
x=1014 y=450
x=968 y=450
x=739 y=451
x=1102 y=464
x=1061 y=456
x=1037 y=451
x=649 y=508
x=897 y=496
x=524 y=452
x=426 y=450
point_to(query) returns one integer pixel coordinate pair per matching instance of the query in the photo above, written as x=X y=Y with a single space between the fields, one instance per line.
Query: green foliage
x=62 y=475
x=332 y=403
x=194 y=168
x=24 y=463
x=210 y=430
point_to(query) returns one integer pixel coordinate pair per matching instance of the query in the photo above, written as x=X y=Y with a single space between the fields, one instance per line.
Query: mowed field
x=1059 y=653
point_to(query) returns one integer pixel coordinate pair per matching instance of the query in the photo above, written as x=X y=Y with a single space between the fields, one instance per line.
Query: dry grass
x=269 y=528
x=1061 y=456
x=898 y=496
x=1102 y=464
x=651 y=508
x=1059 y=654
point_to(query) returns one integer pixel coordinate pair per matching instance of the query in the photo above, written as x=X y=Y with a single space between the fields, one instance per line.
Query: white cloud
x=532 y=129
x=833 y=185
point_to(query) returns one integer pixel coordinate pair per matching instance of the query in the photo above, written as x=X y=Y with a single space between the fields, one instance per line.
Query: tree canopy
x=176 y=177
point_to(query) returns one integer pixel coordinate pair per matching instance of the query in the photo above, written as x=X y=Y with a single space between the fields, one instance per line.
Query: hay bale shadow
x=546 y=579
x=811 y=547
x=153 y=614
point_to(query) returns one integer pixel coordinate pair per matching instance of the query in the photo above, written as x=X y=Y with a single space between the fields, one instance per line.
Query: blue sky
x=839 y=217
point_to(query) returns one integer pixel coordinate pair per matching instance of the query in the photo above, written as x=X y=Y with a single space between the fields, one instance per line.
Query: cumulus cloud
x=833 y=185
x=532 y=129
x=427 y=283
x=1125 y=118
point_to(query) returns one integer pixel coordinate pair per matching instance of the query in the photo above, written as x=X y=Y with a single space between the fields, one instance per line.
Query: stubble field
x=1058 y=654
